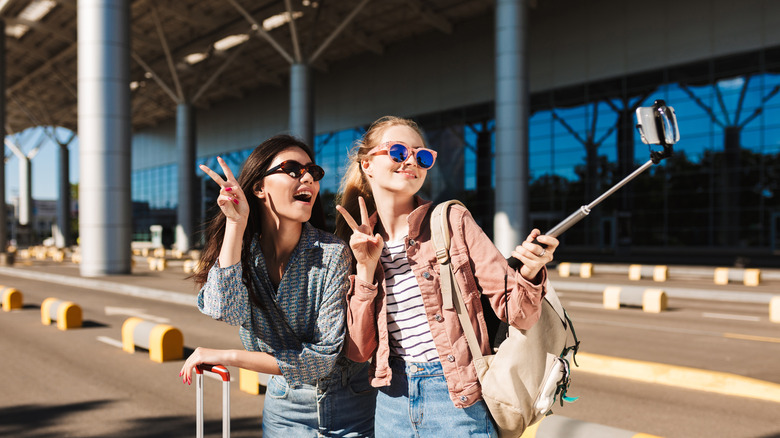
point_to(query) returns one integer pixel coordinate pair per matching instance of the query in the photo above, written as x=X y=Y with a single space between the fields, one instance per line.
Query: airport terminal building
x=586 y=66
x=590 y=65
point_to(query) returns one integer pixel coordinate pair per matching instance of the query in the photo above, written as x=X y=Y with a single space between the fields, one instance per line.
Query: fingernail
x=236 y=201
x=227 y=189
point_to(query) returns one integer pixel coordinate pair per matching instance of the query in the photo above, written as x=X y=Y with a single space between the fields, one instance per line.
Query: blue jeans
x=417 y=404
x=340 y=405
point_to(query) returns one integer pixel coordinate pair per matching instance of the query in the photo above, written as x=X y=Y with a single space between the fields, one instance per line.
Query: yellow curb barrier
x=556 y=426
x=157 y=263
x=683 y=377
x=251 y=381
x=190 y=266
x=67 y=314
x=774 y=309
x=748 y=277
x=163 y=341
x=660 y=273
x=566 y=269
x=752 y=277
x=651 y=300
x=638 y=272
x=12 y=298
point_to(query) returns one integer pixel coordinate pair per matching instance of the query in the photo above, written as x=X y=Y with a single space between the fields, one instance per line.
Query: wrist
x=365 y=273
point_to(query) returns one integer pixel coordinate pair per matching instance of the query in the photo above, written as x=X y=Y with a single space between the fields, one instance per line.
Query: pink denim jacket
x=479 y=267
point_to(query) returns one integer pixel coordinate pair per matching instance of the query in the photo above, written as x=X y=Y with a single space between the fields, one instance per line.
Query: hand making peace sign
x=231 y=198
x=366 y=247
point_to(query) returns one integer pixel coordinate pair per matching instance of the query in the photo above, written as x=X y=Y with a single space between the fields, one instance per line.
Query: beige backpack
x=521 y=382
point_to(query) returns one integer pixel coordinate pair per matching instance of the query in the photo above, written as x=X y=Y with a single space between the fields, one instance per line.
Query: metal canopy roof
x=41 y=84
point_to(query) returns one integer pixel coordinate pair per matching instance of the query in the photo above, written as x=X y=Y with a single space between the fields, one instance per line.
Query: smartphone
x=657 y=124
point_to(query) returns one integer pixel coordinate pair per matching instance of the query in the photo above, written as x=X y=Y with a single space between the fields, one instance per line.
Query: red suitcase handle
x=223 y=372
x=216 y=369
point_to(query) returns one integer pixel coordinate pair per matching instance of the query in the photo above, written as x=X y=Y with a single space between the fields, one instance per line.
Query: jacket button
x=437 y=317
x=426 y=275
x=463 y=398
x=451 y=358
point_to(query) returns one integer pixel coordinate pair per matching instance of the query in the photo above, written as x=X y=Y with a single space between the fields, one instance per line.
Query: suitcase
x=223 y=372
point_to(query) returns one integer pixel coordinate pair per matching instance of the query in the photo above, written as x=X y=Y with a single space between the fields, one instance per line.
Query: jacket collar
x=417 y=218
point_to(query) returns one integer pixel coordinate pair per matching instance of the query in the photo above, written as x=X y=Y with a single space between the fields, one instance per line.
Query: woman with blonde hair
x=420 y=359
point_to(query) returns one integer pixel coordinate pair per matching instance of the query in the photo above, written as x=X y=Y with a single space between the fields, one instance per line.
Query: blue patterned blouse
x=302 y=322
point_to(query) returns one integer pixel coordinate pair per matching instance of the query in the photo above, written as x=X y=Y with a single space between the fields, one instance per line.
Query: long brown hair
x=250 y=179
x=354 y=182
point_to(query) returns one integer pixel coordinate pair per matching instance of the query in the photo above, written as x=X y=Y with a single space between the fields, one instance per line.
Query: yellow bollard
x=12 y=298
x=163 y=341
x=660 y=273
x=612 y=298
x=721 y=275
x=586 y=270
x=654 y=301
x=752 y=277
x=564 y=269
x=774 y=309
x=67 y=314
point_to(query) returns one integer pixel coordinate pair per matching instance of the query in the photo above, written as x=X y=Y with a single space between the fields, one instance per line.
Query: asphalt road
x=80 y=383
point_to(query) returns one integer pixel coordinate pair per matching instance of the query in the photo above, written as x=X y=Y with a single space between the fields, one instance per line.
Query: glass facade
x=719 y=191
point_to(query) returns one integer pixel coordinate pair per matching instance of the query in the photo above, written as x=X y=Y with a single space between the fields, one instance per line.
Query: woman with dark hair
x=267 y=269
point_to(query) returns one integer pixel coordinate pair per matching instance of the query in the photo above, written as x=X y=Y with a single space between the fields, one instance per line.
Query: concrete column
x=510 y=223
x=301 y=103
x=3 y=216
x=105 y=213
x=62 y=236
x=186 y=143
x=25 y=190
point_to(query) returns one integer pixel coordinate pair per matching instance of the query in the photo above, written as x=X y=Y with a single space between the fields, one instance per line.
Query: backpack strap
x=440 y=234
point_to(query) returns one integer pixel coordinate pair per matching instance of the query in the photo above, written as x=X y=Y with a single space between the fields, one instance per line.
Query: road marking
x=751 y=337
x=684 y=377
x=731 y=316
x=585 y=304
x=110 y=341
x=677 y=330
x=138 y=313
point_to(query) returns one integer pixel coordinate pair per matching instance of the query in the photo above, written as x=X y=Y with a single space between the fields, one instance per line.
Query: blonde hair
x=354 y=182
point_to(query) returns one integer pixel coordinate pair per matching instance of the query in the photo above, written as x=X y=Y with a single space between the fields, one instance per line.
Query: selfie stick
x=660 y=111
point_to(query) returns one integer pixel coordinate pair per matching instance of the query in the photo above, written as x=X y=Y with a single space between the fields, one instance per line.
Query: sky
x=45 y=168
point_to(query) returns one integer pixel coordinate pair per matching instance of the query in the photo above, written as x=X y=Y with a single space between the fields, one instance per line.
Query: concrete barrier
x=657 y=273
x=774 y=309
x=566 y=269
x=12 y=298
x=67 y=314
x=748 y=277
x=252 y=381
x=157 y=264
x=555 y=426
x=190 y=266
x=163 y=341
x=651 y=300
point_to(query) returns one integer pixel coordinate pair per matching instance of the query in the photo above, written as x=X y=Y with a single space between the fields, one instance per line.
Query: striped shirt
x=407 y=324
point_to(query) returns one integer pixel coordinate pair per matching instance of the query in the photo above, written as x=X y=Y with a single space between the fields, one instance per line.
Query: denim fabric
x=417 y=404
x=340 y=405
